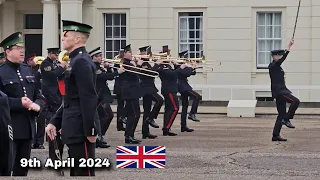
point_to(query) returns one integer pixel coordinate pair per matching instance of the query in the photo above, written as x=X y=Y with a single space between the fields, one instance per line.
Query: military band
x=72 y=97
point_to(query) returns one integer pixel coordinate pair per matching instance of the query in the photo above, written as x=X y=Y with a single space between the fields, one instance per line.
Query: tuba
x=38 y=60
x=63 y=56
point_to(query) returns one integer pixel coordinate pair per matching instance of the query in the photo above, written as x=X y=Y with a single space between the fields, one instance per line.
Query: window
x=269 y=36
x=115 y=34
x=191 y=33
x=33 y=21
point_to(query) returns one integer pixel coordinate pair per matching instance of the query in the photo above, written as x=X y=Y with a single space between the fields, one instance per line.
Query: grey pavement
x=219 y=148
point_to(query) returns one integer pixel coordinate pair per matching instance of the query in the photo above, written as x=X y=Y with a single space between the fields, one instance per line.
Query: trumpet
x=38 y=59
x=118 y=61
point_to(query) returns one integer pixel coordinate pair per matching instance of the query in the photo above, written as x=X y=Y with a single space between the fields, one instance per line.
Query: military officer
x=6 y=137
x=169 y=89
x=51 y=72
x=150 y=94
x=104 y=73
x=2 y=58
x=281 y=93
x=18 y=82
x=130 y=93
x=186 y=91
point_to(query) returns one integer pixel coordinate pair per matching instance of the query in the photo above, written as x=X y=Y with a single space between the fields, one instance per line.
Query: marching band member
x=186 y=91
x=121 y=112
x=149 y=94
x=169 y=89
x=104 y=96
x=281 y=92
x=131 y=92
x=2 y=58
x=77 y=116
x=25 y=100
x=38 y=140
x=52 y=71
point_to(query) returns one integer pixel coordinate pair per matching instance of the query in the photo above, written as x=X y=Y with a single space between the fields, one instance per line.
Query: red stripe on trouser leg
x=175 y=112
x=289 y=98
x=87 y=155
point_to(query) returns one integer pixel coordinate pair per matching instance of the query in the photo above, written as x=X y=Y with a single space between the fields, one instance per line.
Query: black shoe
x=150 y=136
x=130 y=140
x=35 y=146
x=99 y=144
x=169 y=133
x=287 y=123
x=186 y=129
x=41 y=147
x=136 y=139
x=121 y=129
x=152 y=123
x=193 y=118
x=278 y=138
x=103 y=140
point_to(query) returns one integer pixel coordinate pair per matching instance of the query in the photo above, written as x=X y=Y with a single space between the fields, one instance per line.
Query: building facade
x=237 y=33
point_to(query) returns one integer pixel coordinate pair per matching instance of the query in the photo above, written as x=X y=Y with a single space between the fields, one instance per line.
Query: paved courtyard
x=221 y=148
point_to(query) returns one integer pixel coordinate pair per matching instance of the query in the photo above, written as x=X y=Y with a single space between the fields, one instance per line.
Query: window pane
x=277 y=44
x=123 y=19
x=261 y=58
x=269 y=45
x=33 y=21
x=123 y=44
x=108 y=32
x=183 y=35
x=261 y=19
x=116 y=45
x=198 y=47
x=261 y=45
x=116 y=32
x=198 y=34
x=199 y=23
x=191 y=55
x=269 y=19
x=269 y=33
x=191 y=23
x=109 y=45
x=183 y=47
x=183 y=24
x=191 y=34
x=108 y=19
x=116 y=19
x=123 y=32
x=109 y=55
x=277 y=31
x=192 y=47
x=277 y=19
x=261 y=32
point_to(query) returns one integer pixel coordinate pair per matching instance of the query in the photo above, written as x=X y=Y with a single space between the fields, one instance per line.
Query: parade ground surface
x=219 y=148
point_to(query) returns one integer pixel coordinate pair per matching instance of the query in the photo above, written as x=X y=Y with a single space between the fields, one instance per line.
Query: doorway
x=33 y=44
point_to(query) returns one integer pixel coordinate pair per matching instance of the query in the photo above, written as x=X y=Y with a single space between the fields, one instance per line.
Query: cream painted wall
x=229 y=37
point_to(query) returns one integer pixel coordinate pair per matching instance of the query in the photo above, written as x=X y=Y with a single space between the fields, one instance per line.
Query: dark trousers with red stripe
x=133 y=115
x=121 y=111
x=147 y=112
x=185 y=103
x=281 y=102
x=171 y=110
x=86 y=150
x=105 y=115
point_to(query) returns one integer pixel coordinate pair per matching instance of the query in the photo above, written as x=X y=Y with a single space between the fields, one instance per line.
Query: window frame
x=256 y=10
x=196 y=40
x=265 y=66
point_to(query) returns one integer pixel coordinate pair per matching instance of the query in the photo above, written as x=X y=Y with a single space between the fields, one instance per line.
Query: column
x=8 y=18
x=50 y=35
x=71 y=10
x=88 y=18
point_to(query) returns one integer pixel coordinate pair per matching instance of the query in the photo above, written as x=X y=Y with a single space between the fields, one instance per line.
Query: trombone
x=38 y=60
x=63 y=56
x=118 y=61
